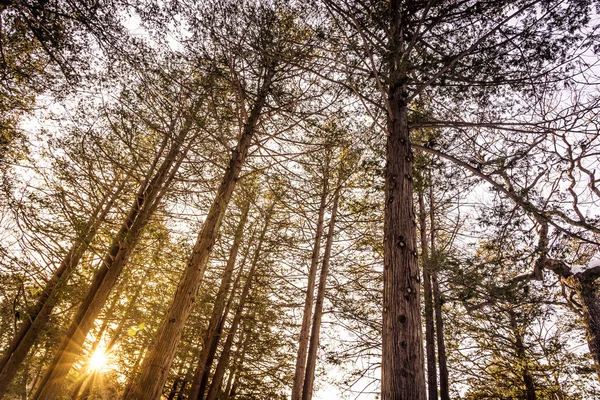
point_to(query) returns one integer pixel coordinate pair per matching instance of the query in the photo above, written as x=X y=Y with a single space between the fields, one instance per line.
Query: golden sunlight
x=98 y=361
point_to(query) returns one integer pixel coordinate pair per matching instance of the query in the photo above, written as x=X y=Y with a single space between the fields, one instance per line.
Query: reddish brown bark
x=310 y=291
x=437 y=304
x=428 y=297
x=144 y=205
x=311 y=361
x=212 y=332
x=158 y=362
x=37 y=318
x=215 y=385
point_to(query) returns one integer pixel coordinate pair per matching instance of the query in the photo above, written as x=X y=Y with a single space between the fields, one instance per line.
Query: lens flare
x=98 y=360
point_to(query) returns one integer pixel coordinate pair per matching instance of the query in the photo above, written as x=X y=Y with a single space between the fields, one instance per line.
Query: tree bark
x=225 y=353
x=522 y=357
x=437 y=304
x=402 y=372
x=219 y=332
x=158 y=362
x=311 y=361
x=587 y=290
x=18 y=349
x=428 y=295
x=211 y=336
x=144 y=205
x=310 y=292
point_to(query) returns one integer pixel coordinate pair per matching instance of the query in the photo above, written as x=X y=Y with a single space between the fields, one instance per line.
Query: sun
x=99 y=360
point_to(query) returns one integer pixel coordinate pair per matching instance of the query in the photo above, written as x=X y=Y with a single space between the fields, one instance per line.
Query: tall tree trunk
x=211 y=335
x=587 y=291
x=427 y=293
x=522 y=357
x=437 y=304
x=221 y=324
x=37 y=318
x=311 y=361
x=234 y=371
x=130 y=386
x=310 y=292
x=225 y=353
x=146 y=202
x=402 y=372
x=157 y=364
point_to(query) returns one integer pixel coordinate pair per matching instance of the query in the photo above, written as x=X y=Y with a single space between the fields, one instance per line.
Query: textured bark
x=211 y=336
x=587 y=291
x=130 y=386
x=157 y=364
x=402 y=373
x=428 y=297
x=437 y=304
x=123 y=244
x=522 y=357
x=219 y=332
x=225 y=353
x=37 y=318
x=310 y=292
x=311 y=361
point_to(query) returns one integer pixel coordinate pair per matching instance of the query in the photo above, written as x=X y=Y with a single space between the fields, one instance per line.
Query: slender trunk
x=215 y=342
x=310 y=292
x=522 y=357
x=225 y=353
x=211 y=335
x=428 y=295
x=234 y=371
x=402 y=372
x=437 y=304
x=157 y=364
x=130 y=386
x=18 y=349
x=146 y=202
x=311 y=361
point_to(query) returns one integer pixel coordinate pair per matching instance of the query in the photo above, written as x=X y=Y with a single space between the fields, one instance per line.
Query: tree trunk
x=130 y=386
x=587 y=291
x=18 y=349
x=402 y=372
x=157 y=364
x=224 y=359
x=437 y=304
x=522 y=357
x=146 y=202
x=217 y=337
x=211 y=336
x=311 y=361
x=427 y=293
x=310 y=292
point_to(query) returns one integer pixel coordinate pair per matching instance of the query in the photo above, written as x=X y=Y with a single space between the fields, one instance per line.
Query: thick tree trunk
x=37 y=318
x=310 y=292
x=225 y=353
x=211 y=336
x=311 y=361
x=587 y=291
x=437 y=304
x=157 y=364
x=114 y=261
x=428 y=295
x=402 y=369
